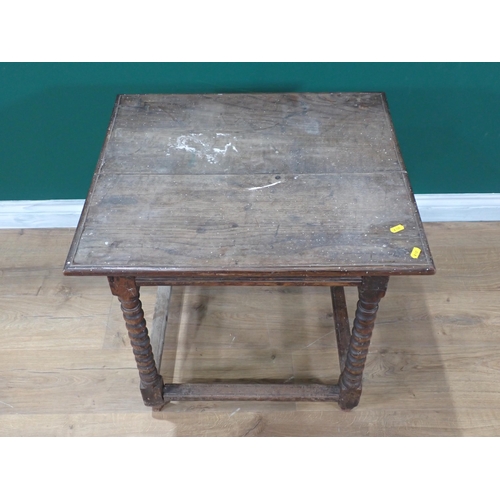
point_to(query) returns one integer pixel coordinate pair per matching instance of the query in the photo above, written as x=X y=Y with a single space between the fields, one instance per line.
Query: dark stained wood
x=162 y=205
x=160 y=317
x=251 y=134
x=313 y=279
x=253 y=190
x=341 y=319
x=250 y=392
x=370 y=293
x=151 y=381
x=213 y=223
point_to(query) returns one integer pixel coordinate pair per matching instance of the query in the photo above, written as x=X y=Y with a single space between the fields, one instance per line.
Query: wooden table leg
x=341 y=319
x=353 y=350
x=151 y=384
x=371 y=291
x=160 y=317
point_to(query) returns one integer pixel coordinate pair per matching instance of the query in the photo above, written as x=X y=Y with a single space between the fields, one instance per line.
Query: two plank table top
x=251 y=189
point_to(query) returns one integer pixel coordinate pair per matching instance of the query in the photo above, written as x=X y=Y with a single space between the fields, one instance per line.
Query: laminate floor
x=66 y=368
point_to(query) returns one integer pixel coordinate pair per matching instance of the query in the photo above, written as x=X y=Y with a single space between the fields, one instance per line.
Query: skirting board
x=433 y=208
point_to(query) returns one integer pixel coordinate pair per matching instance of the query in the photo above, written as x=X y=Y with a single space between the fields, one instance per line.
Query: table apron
x=244 y=281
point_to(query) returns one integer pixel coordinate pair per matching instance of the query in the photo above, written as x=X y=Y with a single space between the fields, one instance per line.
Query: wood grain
x=159 y=322
x=62 y=320
x=214 y=223
x=255 y=419
x=255 y=134
x=286 y=187
x=432 y=370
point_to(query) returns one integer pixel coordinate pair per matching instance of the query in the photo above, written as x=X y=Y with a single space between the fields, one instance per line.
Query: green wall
x=54 y=115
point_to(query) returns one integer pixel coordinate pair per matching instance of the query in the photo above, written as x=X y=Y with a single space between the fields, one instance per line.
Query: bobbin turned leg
x=371 y=290
x=151 y=381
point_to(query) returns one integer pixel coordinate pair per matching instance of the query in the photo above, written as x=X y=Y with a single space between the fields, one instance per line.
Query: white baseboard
x=433 y=208
x=40 y=214
x=469 y=207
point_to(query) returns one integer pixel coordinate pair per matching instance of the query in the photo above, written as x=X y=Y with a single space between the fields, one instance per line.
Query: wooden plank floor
x=66 y=368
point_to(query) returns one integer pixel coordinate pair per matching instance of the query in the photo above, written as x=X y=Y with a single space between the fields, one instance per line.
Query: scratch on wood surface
x=6 y=404
x=235 y=411
x=317 y=340
x=262 y=187
x=259 y=420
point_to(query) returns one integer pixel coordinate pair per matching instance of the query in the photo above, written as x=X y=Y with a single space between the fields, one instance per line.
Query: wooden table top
x=250 y=184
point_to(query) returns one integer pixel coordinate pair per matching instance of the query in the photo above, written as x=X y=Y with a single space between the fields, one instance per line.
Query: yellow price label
x=415 y=252
x=396 y=229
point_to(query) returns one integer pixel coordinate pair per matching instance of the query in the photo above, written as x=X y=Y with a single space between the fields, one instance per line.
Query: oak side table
x=250 y=189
